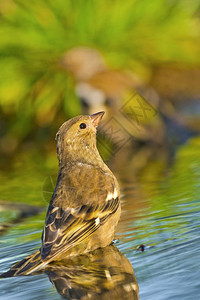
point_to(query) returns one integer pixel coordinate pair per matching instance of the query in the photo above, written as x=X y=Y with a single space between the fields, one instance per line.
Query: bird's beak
x=96 y=118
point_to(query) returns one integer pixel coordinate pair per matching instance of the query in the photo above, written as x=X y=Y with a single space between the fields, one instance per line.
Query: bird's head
x=76 y=138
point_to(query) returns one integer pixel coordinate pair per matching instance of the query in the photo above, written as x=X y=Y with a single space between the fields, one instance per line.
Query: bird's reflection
x=102 y=274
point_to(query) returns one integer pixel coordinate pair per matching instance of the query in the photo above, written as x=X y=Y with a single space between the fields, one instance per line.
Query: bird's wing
x=65 y=229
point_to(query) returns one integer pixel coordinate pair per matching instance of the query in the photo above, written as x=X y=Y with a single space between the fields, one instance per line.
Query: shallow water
x=160 y=210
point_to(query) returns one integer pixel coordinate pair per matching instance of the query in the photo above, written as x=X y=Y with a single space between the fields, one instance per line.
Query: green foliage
x=35 y=91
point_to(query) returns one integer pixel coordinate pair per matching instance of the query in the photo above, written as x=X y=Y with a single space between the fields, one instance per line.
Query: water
x=160 y=210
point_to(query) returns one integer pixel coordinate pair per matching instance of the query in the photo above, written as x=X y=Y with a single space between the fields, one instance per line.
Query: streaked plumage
x=85 y=208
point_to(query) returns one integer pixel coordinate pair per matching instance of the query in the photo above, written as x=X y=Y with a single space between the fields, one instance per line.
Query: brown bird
x=85 y=207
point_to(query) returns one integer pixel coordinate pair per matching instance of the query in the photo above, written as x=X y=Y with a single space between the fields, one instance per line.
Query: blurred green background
x=37 y=95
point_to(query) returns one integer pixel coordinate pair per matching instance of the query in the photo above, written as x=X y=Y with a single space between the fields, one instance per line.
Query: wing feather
x=65 y=229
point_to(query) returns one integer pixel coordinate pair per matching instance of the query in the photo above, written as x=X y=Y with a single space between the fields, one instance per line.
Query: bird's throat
x=87 y=153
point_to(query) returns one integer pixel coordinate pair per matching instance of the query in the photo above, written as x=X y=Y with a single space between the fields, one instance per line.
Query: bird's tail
x=27 y=266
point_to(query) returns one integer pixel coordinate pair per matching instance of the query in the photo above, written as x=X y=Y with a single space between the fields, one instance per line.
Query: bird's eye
x=82 y=126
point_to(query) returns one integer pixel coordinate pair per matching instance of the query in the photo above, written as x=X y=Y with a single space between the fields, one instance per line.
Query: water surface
x=160 y=210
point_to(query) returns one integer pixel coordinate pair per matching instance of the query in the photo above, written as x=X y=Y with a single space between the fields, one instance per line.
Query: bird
x=85 y=206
